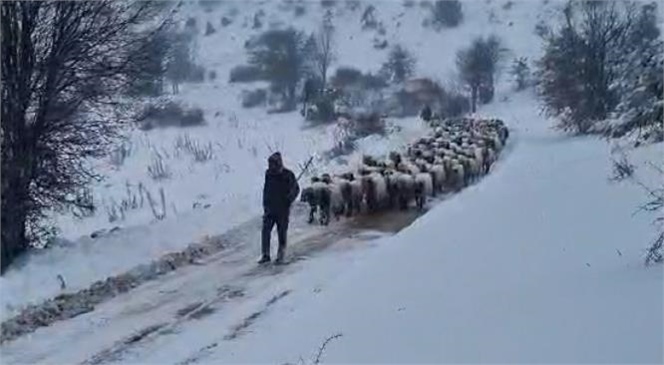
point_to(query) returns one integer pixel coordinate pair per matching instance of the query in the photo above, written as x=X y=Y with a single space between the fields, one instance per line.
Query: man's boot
x=281 y=256
x=264 y=259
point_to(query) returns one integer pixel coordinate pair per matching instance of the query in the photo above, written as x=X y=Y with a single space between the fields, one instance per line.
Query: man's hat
x=275 y=159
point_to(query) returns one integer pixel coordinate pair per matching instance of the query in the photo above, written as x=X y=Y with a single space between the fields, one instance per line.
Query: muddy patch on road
x=387 y=222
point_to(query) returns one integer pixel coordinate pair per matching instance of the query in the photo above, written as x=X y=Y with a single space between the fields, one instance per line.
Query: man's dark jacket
x=279 y=191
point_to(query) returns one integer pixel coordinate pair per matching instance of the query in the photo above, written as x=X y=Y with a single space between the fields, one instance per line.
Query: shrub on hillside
x=446 y=14
x=584 y=87
x=322 y=109
x=196 y=74
x=258 y=19
x=281 y=55
x=368 y=124
x=400 y=64
x=300 y=10
x=346 y=76
x=192 y=117
x=454 y=104
x=374 y=82
x=425 y=4
x=245 y=73
x=180 y=66
x=368 y=19
x=254 y=98
x=353 y=5
x=380 y=43
x=190 y=23
x=209 y=29
x=169 y=114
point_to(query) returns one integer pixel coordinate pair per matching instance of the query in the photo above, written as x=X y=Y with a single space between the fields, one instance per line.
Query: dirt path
x=161 y=307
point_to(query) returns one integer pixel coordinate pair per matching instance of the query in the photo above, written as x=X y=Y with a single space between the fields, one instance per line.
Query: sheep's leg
x=326 y=216
x=420 y=202
x=312 y=211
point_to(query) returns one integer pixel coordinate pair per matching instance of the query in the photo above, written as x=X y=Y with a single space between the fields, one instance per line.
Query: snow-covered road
x=229 y=284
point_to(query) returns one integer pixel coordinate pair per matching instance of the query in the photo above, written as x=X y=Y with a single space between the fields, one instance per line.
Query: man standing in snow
x=279 y=192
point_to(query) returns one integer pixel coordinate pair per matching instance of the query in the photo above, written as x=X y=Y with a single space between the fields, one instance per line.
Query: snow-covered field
x=542 y=261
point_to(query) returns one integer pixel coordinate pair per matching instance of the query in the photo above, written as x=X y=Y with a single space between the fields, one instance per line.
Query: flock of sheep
x=454 y=155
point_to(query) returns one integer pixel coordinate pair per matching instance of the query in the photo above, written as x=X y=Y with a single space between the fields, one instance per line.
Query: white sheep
x=459 y=177
x=356 y=195
x=423 y=188
x=374 y=191
x=439 y=177
x=405 y=189
x=474 y=168
x=318 y=195
x=478 y=152
x=381 y=189
x=490 y=159
x=407 y=167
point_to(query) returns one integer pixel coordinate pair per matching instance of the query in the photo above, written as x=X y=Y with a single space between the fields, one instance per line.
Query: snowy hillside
x=539 y=262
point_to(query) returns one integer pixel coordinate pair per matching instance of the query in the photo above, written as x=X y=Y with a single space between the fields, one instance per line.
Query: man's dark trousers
x=269 y=221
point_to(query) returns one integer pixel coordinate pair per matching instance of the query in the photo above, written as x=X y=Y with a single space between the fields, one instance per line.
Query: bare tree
x=478 y=66
x=319 y=51
x=65 y=65
x=584 y=59
x=324 y=48
x=400 y=64
x=521 y=73
x=280 y=57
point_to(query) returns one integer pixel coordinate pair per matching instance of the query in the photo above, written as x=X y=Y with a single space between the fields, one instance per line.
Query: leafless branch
x=323 y=346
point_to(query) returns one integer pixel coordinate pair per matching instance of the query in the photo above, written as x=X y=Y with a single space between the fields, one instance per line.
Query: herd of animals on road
x=454 y=155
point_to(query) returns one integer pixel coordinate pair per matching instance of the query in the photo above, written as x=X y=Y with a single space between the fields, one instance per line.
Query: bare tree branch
x=321 y=350
x=64 y=66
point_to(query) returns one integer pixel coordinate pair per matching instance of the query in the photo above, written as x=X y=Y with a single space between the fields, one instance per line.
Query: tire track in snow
x=190 y=312
x=237 y=331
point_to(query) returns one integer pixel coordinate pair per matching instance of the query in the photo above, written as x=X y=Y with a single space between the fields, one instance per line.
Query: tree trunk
x=14 y=215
